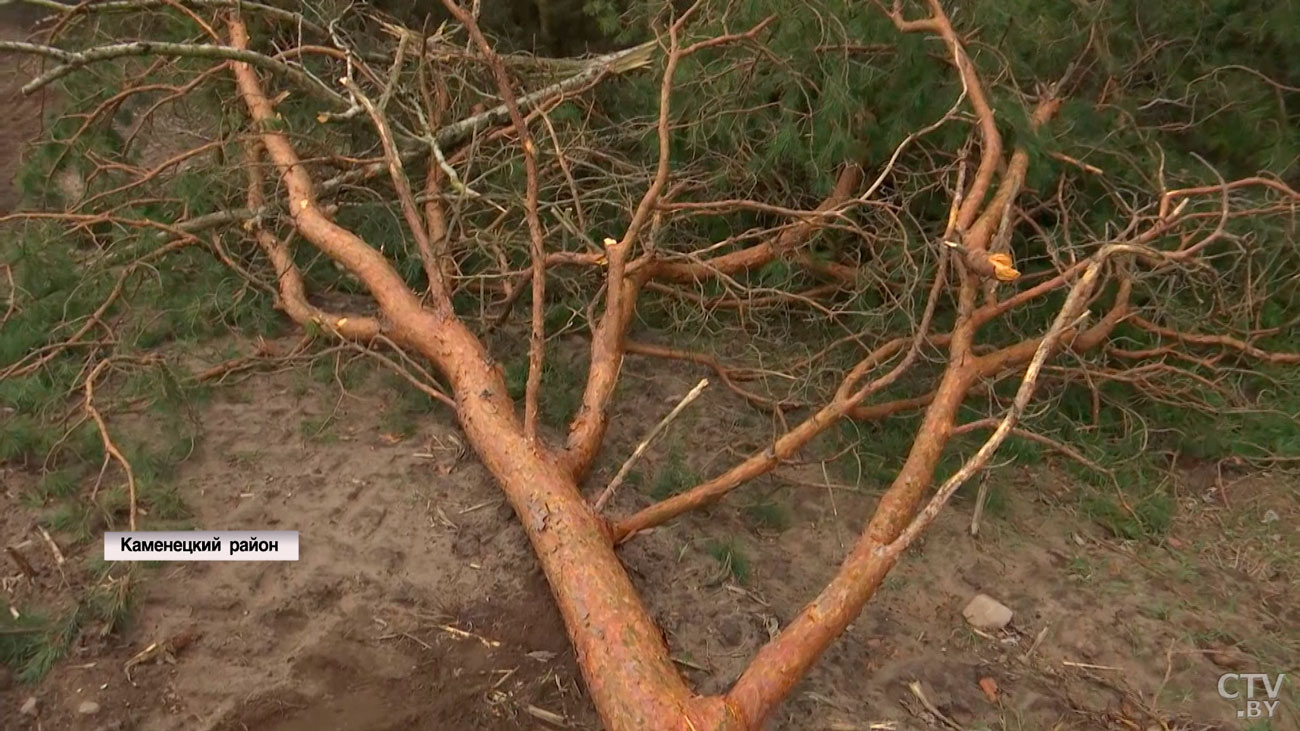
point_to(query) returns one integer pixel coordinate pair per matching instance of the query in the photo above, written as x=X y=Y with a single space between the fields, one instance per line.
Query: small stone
x=1085 y=649
x=1271 y=516
x=88 y=708
x=986 y=613
x=28 y=707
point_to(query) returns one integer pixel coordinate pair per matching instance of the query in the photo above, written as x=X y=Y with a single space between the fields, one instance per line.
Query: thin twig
x=54 y=547
x=468 y=635
x=1065 y=449
x=979 y=505
x=109 y=446
x=915 y=687
x=432 y=269
x=693 y=394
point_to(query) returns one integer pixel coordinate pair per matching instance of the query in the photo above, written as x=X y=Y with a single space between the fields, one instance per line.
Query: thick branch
x=991 y=148
x=292 y=291
x=607 y=349
x=619 y=648
x=588 y=427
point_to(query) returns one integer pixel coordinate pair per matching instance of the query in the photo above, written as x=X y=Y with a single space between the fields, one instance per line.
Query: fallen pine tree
x=952 y=243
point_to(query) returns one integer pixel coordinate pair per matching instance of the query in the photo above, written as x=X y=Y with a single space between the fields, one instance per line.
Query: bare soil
x=417 y=604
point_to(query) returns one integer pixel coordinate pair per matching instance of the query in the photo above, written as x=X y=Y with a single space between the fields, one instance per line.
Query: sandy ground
x=417 y=604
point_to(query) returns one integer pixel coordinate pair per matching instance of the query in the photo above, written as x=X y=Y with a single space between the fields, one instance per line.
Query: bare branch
x=70 y=61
